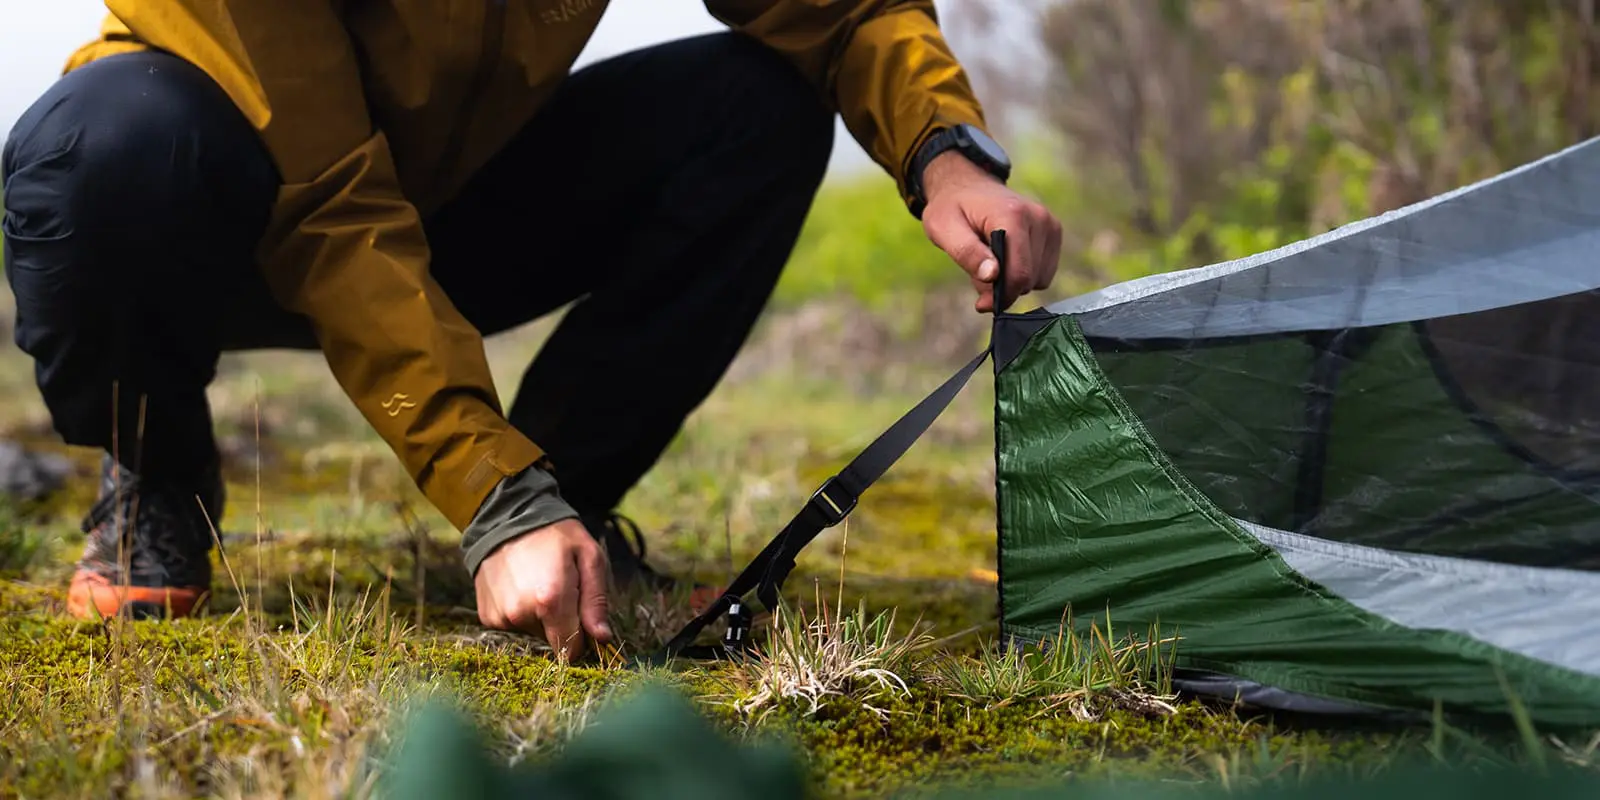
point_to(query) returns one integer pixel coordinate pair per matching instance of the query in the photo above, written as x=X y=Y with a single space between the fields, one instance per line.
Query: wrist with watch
x=968 y=140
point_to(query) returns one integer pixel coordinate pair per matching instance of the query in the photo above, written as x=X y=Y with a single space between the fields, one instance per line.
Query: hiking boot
x=149 y=549
x=625 y=549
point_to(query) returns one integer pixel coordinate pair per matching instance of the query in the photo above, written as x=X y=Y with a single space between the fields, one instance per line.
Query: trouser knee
x=139 y=151
x=133 y=187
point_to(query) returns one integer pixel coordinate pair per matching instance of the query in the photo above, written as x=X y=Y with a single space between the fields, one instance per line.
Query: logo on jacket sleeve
x=398 y=403
x=562 y=11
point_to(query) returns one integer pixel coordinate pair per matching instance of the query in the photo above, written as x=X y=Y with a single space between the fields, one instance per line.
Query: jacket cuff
x=944 y=119
x=521 y=503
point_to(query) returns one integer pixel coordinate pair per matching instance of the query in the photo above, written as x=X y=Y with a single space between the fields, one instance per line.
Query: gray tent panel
x=1527 y=235
x=1552 y=615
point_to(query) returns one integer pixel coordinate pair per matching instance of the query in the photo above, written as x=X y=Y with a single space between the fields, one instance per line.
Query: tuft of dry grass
x=550 y=725
x=811 y=657
x=1083 y=674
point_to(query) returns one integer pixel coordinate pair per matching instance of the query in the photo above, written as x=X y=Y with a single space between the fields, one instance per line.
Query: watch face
x=989 y=146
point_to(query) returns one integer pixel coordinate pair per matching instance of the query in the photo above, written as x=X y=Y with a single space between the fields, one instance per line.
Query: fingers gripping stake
x=997 y=245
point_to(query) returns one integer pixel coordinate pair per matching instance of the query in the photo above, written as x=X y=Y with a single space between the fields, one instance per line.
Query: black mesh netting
x=1474 y=435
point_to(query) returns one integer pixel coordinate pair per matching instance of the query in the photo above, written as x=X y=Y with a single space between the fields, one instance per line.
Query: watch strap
x=941 y=140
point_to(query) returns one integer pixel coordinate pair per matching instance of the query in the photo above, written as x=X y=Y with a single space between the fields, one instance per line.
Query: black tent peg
x=997 y=244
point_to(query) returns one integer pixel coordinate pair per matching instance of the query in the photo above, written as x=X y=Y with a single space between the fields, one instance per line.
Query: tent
x=1354 y=475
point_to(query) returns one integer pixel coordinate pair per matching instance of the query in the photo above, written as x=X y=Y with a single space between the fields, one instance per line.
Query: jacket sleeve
x=884 y=65
x=345 y=248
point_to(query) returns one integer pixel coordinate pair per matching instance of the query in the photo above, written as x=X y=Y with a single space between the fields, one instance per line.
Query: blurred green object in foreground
x=657 y=745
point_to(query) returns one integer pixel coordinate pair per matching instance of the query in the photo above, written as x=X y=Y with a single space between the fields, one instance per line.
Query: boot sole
x=92 y=597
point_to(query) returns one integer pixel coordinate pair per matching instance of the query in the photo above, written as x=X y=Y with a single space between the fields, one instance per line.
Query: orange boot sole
x=92 y=597
x=701 y=598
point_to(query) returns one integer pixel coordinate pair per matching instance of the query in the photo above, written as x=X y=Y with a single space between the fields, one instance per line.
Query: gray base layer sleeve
x=521 y=503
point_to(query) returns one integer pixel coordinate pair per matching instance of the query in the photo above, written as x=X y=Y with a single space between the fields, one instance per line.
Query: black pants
x=664 y=188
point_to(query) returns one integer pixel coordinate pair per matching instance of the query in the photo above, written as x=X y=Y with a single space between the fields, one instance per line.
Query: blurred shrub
x=861 y=241
x=1197 y=131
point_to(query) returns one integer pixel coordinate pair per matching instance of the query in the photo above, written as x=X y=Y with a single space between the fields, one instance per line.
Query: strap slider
x=737 y=638
x=834 y=501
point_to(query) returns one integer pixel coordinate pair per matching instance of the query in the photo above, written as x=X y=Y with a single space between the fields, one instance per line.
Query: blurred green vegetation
x=860 y=240
x=1211 y=130
x=1168 y=135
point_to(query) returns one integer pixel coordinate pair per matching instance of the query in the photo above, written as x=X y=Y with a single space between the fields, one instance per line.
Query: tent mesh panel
x=1476 y=435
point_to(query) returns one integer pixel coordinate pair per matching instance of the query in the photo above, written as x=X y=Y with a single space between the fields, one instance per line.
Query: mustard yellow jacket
x=367 y=145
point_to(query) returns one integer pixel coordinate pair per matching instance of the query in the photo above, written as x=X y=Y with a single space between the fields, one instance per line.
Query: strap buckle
x=737 y=638
x=833 y=501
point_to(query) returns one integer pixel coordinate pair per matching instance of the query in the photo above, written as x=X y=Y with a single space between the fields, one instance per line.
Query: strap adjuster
x=827 y=507
x=833 y=501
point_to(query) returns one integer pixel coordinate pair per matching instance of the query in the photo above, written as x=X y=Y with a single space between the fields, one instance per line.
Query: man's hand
x=965 y=203
x=550 y=581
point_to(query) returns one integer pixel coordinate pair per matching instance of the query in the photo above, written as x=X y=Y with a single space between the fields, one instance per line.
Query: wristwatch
x=968 y=140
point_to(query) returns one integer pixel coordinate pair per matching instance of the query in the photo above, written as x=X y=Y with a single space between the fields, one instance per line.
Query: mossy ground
x=342 y=601
x=211 y=705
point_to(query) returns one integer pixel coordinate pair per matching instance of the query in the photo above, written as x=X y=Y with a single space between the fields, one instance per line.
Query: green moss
x=211 y=693
x=929 y=740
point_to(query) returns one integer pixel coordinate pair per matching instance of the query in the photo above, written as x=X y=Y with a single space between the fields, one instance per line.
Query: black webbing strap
x=831 y=503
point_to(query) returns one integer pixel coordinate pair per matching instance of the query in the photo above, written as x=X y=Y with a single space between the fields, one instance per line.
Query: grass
x=343 y=606
x=1082 y=675
x=859 y=656
x=22 y=546
x=217 y=706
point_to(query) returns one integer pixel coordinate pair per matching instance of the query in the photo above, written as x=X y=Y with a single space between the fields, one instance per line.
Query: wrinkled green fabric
x=1095 y=518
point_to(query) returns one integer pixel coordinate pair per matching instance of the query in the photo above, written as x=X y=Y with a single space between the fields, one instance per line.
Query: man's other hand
x=965 y=203
x=551 y=581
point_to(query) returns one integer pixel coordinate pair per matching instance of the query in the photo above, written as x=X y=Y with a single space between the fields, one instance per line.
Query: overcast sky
x=39 y=34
